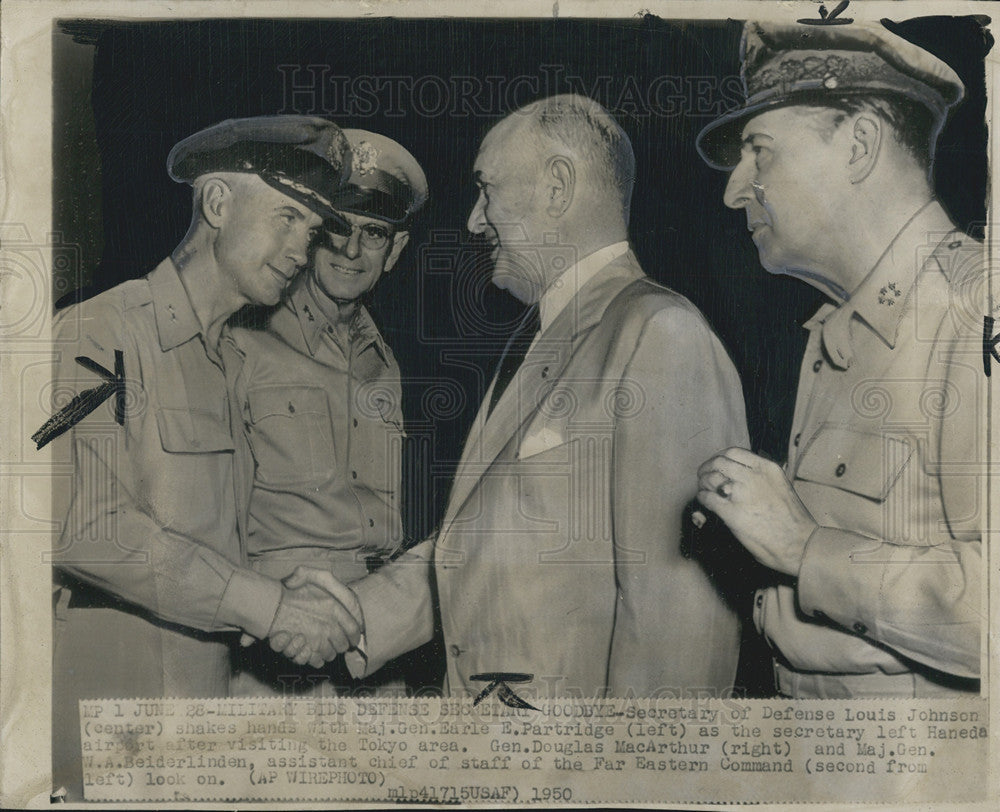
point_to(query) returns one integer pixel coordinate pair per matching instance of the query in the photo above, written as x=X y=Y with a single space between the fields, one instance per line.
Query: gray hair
x=912 y=125
x=585 y=127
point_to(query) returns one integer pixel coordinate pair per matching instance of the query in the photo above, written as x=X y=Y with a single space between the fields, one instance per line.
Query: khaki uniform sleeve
x=108 y=540
x=923 y=602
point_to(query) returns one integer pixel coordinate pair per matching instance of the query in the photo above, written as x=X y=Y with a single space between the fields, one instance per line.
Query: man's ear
x=215 y=195
x=398 y=244
x=866 y=144
x=560 y=183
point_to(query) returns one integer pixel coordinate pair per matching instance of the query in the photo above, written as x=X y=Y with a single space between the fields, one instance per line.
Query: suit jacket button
x=454 y=650
x=860 y=628
x=817 y=365
x=840 y=469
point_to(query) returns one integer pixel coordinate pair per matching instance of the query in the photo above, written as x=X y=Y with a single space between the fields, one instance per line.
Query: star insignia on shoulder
x=888 y=294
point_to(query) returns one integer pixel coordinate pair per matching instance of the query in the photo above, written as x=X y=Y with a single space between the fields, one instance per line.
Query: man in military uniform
x=320 y=393
x=151 y=570
x=874 y=524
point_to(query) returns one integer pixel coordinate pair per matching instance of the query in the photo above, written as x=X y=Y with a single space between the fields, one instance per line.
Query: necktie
x=514 y=353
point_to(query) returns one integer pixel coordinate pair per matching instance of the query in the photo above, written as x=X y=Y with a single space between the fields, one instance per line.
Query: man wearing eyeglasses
x=320 y=392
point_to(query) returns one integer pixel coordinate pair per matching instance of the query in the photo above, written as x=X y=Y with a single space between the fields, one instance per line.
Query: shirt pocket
x=291 y=435
x=865 y=464
x=192 y=431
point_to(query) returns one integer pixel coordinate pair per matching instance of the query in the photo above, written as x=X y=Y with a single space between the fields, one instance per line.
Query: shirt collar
x=879 y=300
x=314 y=323
x=364 y=333
x=175 y=318
x=815 y=322
x=560 y=293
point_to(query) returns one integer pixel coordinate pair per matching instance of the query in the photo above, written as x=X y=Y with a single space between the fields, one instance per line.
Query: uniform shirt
x=325 y=426
x=154 y=511
x=886 y=452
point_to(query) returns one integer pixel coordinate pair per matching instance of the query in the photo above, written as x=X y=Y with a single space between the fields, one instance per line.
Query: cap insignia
x=335 y=151
x=365 y=158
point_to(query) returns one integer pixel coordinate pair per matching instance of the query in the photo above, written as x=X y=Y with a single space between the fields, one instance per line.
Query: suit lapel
x=540 y=372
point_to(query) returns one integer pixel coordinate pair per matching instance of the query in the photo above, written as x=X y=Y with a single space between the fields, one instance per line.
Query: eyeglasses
x=373 y=236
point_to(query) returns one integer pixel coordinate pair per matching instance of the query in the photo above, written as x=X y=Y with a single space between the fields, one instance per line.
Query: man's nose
x=738 y=190
x=298 y=248
x=352 y=247
x=477 y=218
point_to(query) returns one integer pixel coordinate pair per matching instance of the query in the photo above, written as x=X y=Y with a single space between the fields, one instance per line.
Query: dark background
x=125 y=92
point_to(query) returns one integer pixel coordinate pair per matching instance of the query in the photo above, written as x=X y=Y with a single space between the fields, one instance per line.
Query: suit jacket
x=559 y=554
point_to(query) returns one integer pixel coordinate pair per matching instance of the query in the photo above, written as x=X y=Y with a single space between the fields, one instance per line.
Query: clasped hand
x=754 y=498
x=317 y=619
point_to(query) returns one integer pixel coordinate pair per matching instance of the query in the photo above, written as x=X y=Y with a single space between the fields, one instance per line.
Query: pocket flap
x=286 y=401
x=864 y=463
x=187 y=431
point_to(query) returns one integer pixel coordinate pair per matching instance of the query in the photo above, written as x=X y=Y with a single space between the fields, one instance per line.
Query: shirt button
x=817 y=365
x=454 y=650
x=355 y=422
x=760 y=599
x=371 y=522
x=354 y=474
x=860 y=628
x=798 y=437
x=840 y=469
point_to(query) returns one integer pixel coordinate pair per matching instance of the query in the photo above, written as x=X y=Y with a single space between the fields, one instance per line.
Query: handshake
x=317 y=619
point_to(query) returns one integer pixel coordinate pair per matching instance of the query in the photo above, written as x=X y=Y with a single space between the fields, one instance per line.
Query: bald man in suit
x=560 y=552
